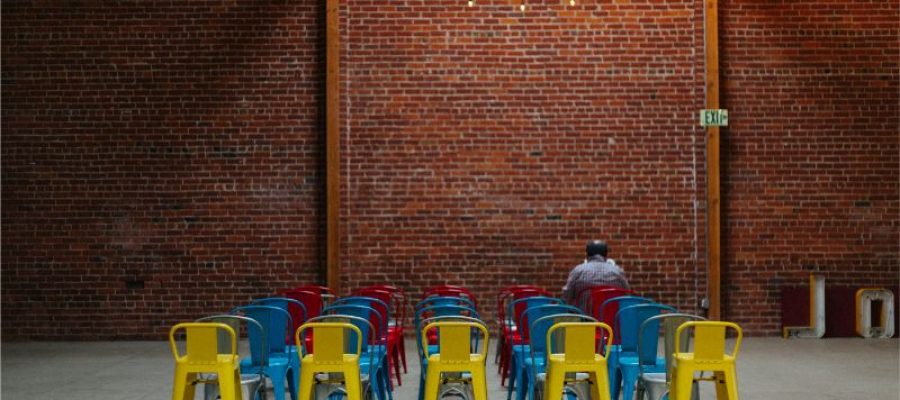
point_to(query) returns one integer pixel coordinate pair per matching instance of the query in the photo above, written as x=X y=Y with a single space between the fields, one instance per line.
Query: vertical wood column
x=333 y=144
x=713 y=200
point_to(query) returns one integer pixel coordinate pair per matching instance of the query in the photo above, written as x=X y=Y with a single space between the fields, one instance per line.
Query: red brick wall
x=485 y=146
x=160 y=161
x=181 y=145
x=811 y=176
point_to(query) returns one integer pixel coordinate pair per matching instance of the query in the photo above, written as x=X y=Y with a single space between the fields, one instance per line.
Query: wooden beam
x=333 y=144
x=713 y=200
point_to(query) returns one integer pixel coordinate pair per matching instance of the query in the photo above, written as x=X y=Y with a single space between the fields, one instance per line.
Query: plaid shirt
x=594 y=271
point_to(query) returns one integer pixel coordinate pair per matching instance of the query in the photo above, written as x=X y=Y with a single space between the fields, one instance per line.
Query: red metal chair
x=451 y=290
x=400 y=314
x=394 y=337
x=312 y=300
x=510 y=332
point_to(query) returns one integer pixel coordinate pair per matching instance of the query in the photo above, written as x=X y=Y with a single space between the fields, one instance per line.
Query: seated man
x=596 y=270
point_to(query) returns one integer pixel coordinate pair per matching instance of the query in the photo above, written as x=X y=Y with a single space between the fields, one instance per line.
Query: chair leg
x=721 y=390
x=629 y=377
x=600 y=387
x=512 y=377
x=182 y=388
x=403 y=351
x=278 y=385
x=352 y=383
x=523 y=383
x=396 y=356
x=479 y=384
x=553 y=386
x=432 y=378
x=731 y=383
x=305 y=388
x=292 y=382
x=386 y=376
x=682 y=382
x=229 y=383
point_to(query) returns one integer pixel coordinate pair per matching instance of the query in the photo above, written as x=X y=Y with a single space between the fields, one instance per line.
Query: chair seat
x=632 y=361
x=473 y=358
x=542 y=376
x=348 y=358
x=561 y=359
x=221 y=359
x=689 y=357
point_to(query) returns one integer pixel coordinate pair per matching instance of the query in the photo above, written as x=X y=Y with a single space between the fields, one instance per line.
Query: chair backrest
x=670 y=323
x=709 y=339
x=445 y=300
x=259 y=350
x=332 y=338
x=382 y=309
x=599 y=295
x=628 y=322
x=455 y=338
x=609 y=308
x=355 y=343
x=507 y=293
x=452 y=291
x=391 y=295
x=533 y=313
x=276 y=321
x=427 y=321
x=367 y=314
x=312 y=300
x=579 y=340
x=442 y=311
x=540 y=326
x=202 y=341
x=582 y=297
x=517 y=307
x=295 y=308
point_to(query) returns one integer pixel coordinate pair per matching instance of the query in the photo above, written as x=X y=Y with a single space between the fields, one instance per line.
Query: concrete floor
x=768 y=369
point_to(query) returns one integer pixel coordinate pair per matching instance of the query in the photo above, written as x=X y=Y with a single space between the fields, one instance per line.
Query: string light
x=471 y=3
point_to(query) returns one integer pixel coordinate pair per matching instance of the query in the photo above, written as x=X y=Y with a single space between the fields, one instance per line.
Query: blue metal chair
x=612 y=358
x=253 y=384
x=520 y=350
x=333 y=387
x=435 y=348
x=629 y=320
x=445 y=301
x=537 y=360
x=656 y=384
x=297 y=311
x=277 y=323
x=377 y=349
x=385 y=313
x=538 y=346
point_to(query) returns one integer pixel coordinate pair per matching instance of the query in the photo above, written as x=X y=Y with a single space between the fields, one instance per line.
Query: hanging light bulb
x=572 y=3
x=471 y=3
x=522 y=6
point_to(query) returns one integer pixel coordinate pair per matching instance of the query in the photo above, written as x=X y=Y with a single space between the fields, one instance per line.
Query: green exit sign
x=714 y=117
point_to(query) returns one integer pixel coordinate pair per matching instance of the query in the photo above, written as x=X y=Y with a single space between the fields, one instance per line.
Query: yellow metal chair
x=202 y=356
x=329 y=356
x=579 y=355
x=708 y=355
x=455 y=344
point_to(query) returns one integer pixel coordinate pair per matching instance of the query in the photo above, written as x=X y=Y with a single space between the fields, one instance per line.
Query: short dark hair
x=595 y=247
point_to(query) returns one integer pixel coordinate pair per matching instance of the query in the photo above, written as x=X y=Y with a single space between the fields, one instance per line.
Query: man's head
x=597 y=247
